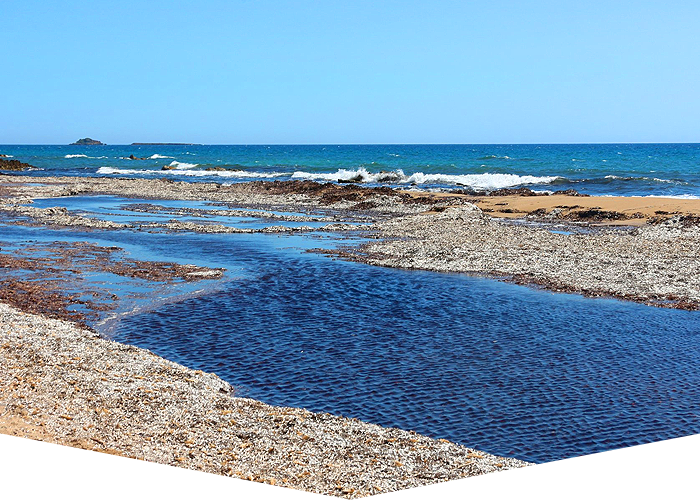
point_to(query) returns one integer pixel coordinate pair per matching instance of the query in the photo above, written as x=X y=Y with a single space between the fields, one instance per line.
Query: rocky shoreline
x=14 y=165
x=656 y=264
x=63 y=384
x=639 y=249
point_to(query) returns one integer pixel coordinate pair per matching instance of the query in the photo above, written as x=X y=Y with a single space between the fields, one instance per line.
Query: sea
x=504 y=368
x=596 y=169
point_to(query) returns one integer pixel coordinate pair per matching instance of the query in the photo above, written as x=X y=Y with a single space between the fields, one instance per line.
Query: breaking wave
x=235 y=174
x=676 y=196
x=182 y=165
x=157 y=156
x=478 y=181
x=494 y=157
x=85 y=156
x=653 y=179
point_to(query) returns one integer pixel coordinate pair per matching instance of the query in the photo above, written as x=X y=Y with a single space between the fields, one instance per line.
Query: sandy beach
x=610 y=210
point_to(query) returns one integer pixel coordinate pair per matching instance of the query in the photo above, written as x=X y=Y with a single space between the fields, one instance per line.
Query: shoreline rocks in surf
x=15 y=165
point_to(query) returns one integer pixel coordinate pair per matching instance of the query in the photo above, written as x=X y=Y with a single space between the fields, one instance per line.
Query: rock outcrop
x=14 y=165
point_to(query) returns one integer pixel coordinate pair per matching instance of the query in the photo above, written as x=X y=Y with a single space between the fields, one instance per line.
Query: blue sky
x=265 y=72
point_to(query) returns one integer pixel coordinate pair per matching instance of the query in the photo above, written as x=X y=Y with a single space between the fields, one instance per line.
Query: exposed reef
x=15 y=165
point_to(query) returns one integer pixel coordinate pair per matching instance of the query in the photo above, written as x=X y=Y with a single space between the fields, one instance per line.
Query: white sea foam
x=655 y=179
x=236 y=174
x=157 y=156
x=182 y=165
x=110 y=170
x=495 y=157
x=244 y=174
x=478 y=181
x=85 y=156
x=677 y=196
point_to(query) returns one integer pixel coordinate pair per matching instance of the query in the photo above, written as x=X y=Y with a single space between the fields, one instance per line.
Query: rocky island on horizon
x=87 y=142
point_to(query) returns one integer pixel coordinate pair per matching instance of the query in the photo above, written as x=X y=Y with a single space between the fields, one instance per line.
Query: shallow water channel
x=503 y=368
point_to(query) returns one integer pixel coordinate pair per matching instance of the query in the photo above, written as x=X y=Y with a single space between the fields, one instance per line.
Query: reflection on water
x=135 y=211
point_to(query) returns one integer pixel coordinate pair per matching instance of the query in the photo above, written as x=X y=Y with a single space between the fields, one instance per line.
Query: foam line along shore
x=594 y=169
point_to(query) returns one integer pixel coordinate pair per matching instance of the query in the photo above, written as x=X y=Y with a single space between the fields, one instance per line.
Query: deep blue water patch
x=502 y=368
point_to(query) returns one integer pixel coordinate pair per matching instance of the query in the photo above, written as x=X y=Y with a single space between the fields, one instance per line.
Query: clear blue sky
x=353 y=71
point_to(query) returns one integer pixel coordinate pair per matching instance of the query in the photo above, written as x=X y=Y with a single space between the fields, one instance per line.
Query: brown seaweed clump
x=35 y=277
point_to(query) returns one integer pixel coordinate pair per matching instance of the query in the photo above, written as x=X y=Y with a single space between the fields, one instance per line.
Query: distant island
x=164 y=144
x=87 y=142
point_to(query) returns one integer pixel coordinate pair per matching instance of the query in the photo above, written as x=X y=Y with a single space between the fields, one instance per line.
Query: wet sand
x=634 y=210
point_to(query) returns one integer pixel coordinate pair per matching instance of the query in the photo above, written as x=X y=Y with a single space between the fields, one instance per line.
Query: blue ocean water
x=597 y=169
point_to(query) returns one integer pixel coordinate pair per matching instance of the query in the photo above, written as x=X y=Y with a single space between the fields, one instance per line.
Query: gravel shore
x=655 y=264
x=66 y=385
x=654 y=260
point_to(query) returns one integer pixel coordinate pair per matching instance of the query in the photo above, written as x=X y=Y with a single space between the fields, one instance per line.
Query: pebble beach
x=63 y=383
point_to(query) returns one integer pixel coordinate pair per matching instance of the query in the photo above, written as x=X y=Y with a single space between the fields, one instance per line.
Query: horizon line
x=360 y=144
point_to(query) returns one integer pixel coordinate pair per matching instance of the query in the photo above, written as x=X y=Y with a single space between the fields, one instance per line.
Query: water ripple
x=503 y=368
